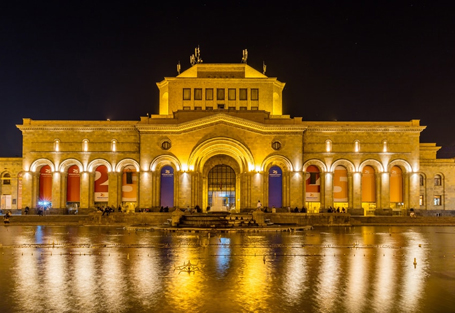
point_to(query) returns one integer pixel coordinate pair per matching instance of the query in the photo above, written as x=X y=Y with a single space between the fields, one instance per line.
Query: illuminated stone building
x=221 y=135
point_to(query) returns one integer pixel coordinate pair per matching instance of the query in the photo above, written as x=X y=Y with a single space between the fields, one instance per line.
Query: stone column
x=385 y=190
x=356 y=193
x=304 y=190
x=145 y=189
x=328 y=190
x=63 y=189
x=56 y=194
x=115 y=189
x=85 y=190
x=377 y=177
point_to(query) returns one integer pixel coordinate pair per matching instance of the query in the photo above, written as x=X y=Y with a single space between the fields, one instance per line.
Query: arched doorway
x=396 y=188
x=167 y=187
x=340 y=188
x=101 y=185
x=313 y=189
x=45 y=187
x=221 y=187
x=275 y=187
x=73 y=189
x=129 y=188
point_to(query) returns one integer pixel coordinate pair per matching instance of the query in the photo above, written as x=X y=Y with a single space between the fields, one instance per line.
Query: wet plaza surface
x=343 y=269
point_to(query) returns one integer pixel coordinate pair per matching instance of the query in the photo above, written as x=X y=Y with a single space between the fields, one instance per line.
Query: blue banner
x=275 y=187
x=167 y=186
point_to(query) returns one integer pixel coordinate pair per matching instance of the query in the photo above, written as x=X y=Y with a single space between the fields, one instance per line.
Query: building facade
x=221 y=138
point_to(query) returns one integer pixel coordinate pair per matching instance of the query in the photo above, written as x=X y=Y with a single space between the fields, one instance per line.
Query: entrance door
x=221 y=186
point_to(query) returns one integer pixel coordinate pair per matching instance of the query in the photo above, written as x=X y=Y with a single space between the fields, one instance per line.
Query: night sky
x=341 y=60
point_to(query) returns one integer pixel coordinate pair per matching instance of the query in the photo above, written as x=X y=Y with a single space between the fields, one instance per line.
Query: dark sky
x=341 y=60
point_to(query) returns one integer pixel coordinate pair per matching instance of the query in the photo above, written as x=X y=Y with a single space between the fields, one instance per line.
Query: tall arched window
x=113 y=145
x=56 y=145
x=437 y=180
x=221 y=186
x=356 y=146
x=384 y=146
x=368 y=189
x=6 y=179
x=313 y=189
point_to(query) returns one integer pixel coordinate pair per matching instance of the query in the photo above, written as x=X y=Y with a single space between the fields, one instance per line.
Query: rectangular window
x=197 y=93
x=437 y=200
x=209 y=108
x=243 y=94
x=129 y=178
x=422 y=180
x=421 y=200
x=198 y=108
x=187 y=108
x=231 y=108
x=313 y=178
x=220 y=94
x=254 y=108
x=209 y=94
x=186 y=94
x=242 y=108
x=231 y=94
x=220 y=106
x=254 y=94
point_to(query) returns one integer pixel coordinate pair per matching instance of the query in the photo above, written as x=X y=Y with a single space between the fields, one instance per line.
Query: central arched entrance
x=221 y=182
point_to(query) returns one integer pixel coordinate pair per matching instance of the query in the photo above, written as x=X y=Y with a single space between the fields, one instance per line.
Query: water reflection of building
x=220 y=127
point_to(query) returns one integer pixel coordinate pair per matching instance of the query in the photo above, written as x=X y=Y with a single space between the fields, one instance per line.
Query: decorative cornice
x=220 y=118
x=380 y=129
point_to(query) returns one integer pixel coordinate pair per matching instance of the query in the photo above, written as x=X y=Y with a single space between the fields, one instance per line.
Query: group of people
x=337 y=210
x=108 y=209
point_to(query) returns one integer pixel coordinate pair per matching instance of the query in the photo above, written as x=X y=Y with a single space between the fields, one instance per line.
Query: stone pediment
x=225 y=119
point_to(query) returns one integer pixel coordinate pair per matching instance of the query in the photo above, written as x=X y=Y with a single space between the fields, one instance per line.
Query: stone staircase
x=205 y=220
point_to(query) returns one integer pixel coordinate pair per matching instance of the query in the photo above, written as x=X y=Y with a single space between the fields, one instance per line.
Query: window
x=186 y=108
x=356 y=146
x=166 y=145
x=313 y=178
x=254 y=94
x=186 y=94
x=422 y=180
x=209 y=94
x=328 y=146
x=198 y=108
x=85 y=145
x=437 y=200
x=6 y=179
x=254 y=108
x=243 y=94
x=231 y=94
x=437 y=180
x=242 y=108
x=276 y=145
x=198 y=94
x=209 y=108
x=220 y=106
x=113 y=145
x=421 y=200
x=220 y=94
x=384 y=146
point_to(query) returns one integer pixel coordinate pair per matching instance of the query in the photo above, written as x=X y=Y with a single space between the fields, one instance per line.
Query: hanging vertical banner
x=396 y=185
x=129 y=184
x=340 y=184
x=73 y=184
x=167 y=187
x=275 y=187
x=45 y=184
x=101 y=184
x=313 y=184
x=368 y=185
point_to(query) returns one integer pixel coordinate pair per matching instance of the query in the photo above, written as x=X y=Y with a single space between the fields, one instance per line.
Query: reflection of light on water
x=84 y=276
x=296 y=274
x=145 y=278
x=357 y=283
x=223 y=255
x=27 y=282
x=112 y=279
x=414 y=278
x=385 y=281
x=55 y=278
x=328 y=283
